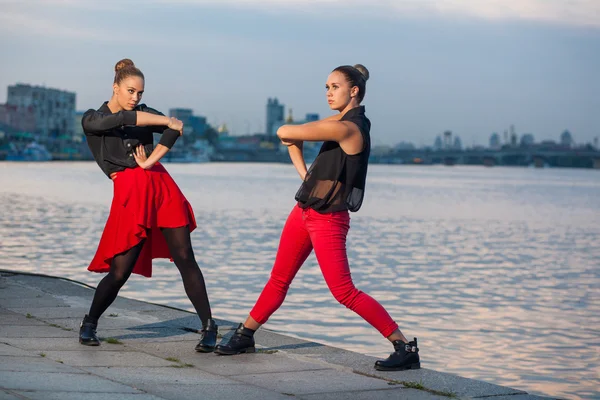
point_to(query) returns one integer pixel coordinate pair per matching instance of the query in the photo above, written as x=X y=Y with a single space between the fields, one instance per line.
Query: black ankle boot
x=242 y=341
x=208 y=339
x=87 y=332
x=405 y=356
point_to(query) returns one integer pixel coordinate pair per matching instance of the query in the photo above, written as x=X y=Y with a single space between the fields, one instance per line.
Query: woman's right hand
x=175 y=124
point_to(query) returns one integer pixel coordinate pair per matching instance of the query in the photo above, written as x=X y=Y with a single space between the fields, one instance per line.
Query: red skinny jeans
x=304 y=231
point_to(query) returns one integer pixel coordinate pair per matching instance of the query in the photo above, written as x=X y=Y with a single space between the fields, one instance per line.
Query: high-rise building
x=275 y=116
x=54 y=109
x=193 y=125
x=495 y=141
x=21 y=119
x=447 y=139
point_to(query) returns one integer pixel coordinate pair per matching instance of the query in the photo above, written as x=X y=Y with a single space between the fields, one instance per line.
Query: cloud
x=572 y=12
x=26 y=24
x=564 y=12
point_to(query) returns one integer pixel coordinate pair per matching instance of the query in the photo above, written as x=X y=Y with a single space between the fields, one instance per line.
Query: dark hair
x=357 y=76
x=126 y=68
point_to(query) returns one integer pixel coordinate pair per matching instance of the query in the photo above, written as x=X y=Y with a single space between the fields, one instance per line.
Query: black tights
x=180 y=246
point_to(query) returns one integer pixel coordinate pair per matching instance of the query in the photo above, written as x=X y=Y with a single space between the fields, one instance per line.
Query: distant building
x=311 y=117
x=275 y=115
x=527 y=140
x=566 y=139
x=199 y=125
x=78 y=134
x=21 y=119
x=495 y=141
x=457 y=143
x=290 y=118
x=438 y=144
x=404 y=146
x=54 y=109
x=447 y=139
x=513 y=136
x=194 y=126
x=223 y=130
x=182 y=114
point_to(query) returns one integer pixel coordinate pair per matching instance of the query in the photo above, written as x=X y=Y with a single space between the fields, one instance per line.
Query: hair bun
x=126 y=62
x=363 y=70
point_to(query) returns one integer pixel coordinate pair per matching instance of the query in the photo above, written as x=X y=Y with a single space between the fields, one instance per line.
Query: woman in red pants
x=332 y=187
x=149 y=217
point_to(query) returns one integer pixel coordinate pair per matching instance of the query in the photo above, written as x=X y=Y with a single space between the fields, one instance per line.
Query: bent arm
x=97 y=122
x=297 y=156
x=147 y=163
x=324 y=130
x=169 y=136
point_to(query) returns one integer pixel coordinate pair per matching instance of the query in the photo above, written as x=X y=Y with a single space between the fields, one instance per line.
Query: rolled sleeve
x=169 y=137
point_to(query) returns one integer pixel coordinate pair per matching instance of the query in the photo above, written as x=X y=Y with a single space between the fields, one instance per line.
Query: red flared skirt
x=144 y=201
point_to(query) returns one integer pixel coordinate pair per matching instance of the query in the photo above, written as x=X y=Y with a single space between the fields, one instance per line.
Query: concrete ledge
x=155 y=358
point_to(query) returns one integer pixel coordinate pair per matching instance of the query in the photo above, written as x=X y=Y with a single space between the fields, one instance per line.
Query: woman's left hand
x=140 y=157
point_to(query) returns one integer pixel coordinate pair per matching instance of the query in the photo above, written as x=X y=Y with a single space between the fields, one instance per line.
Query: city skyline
x=435 y=66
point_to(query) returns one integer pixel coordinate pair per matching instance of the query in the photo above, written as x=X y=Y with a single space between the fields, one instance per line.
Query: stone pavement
x=148 y=354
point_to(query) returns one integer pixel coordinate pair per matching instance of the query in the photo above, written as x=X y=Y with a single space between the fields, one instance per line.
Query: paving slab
x=107 y=359
x=8 y=350
x=383 y=394
x=6 y=395
x=57 y=286
x=195 y=392
x=19 y=319
x=227 y=365
x=34 y=364
x=515 y=397
x=14 y=303
x=130 y=322
x=309 y=382
x=23 y=292
x=55 y=312
x=86 y=395
x=459 y=386
x=44 y=381
x=7 y=331
x=159 y=375
x=149 y=335
x=52 y=344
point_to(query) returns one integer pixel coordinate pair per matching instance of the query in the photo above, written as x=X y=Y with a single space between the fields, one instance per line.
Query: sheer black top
x=336 y=180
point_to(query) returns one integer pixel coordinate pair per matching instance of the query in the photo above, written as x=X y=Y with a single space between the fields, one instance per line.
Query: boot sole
x=222 y=352
x=205 y=349
x=89 y=343
x=402 y=368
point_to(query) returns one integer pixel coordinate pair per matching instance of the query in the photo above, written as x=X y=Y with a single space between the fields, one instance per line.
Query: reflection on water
x=495 y=270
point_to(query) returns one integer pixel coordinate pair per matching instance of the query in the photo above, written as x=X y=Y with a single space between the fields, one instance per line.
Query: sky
x=470 y=66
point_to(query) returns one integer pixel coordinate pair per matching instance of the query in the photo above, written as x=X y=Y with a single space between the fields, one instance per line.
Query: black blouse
x=113 y=137
x=336 y=181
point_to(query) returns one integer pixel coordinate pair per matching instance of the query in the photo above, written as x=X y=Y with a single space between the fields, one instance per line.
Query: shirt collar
x=356 y=111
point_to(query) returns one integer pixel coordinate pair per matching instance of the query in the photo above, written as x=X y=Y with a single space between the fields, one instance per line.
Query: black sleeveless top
x=336 y=180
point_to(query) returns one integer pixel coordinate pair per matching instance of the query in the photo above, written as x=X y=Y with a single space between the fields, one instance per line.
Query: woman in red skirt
x=333 y=186
x=149 y=216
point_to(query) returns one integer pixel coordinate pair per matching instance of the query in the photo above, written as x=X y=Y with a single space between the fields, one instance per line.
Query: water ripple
x=495 y=270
